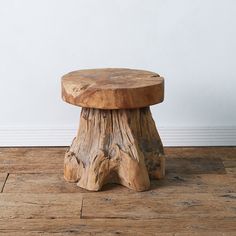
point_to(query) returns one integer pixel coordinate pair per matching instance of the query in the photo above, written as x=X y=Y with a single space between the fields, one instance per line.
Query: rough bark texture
x=115 y=146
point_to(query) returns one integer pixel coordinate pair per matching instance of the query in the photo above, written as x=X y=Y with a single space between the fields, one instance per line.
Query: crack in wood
x=115 y=146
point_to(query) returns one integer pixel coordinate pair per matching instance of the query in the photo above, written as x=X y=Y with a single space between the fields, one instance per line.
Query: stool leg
x=115 y=146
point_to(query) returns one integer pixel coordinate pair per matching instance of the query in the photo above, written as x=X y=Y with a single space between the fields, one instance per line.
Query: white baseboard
x=171 y=136
x=198 y=136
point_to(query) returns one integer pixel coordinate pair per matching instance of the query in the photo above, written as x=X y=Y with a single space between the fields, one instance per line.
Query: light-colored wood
x=49 y=160
x=110 y=226
x=46 y=160
x=49 y=206
x=112 y=88
x=52 y=183
x=75 y=232
x=204 y=234
x=17 y=155
x=200 y=174
x=3 y=177
x=196 y=165
x=224 y=153
x=230 y=165
x=115 y=146
x=160 y=206
x=39 y=168
x=46 y=183
x=194 y=184
x=171 y=184
x=231 y=170
x=197 y=202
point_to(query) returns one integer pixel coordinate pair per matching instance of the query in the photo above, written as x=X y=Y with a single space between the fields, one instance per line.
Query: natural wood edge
x=112 y=88
x=115 y=146
x=94 y=98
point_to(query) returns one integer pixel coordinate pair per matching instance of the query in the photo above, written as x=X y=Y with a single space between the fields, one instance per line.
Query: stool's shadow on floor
x=182 y=172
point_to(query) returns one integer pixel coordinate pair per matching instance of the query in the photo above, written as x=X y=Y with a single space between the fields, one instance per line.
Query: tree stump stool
x=117 y=140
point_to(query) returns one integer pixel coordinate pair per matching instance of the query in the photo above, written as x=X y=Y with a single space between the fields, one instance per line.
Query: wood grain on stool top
x=112 y=88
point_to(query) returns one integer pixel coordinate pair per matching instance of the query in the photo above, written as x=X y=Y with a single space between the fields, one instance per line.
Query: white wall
x=191 y=43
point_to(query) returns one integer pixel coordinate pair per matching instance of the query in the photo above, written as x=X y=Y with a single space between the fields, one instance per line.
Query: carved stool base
x=115 y=146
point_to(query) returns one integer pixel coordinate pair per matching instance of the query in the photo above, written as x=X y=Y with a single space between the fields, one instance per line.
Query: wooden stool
x=117 y=140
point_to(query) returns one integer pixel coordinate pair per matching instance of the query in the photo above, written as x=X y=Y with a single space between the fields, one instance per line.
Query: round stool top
x=112 y=88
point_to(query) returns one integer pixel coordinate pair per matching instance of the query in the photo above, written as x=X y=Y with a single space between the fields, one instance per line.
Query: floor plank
x=197 y=197
x=143 y=206
x=47 y=206
x=225 y=153
x=120 y=226
x=48 y=183
x=202 y=183
x=32 y=152
x=198 y=165
x=172 y=183
x=50 y=160
x=32 y=160
x=32 y=233
x=3 y=177
x=230 y=165
x=231 y=170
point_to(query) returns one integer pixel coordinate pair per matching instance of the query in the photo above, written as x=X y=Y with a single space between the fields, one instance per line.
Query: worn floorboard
x=160 y=206
x=224 y=153
x=49 y=183
x=47 y=206
x=173 y=183
x=197 y=197
x=31 y=160
x=121 y=226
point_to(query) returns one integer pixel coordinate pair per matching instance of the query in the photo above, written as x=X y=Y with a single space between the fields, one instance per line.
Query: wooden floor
x=197 y=197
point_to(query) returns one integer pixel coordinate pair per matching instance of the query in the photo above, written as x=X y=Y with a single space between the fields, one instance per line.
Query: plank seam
x=81 y=209
x=4 y=182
